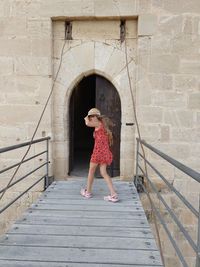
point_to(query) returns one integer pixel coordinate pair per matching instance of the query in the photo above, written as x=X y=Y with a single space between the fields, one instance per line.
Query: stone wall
x=167 y=83
x=93 y=53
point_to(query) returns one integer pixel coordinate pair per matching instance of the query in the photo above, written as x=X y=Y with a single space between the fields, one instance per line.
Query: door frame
x=71 y=131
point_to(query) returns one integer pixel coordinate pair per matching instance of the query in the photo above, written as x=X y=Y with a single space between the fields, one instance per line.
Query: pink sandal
x=85 y=194
x=113 y=198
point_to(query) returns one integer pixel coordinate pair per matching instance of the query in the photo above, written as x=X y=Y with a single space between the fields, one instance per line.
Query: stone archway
x=79 y=61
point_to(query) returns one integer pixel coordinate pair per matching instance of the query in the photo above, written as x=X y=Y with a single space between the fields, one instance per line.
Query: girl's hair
x=108 y=124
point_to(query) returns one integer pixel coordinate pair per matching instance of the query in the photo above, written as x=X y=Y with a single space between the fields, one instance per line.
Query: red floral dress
x=101 y=153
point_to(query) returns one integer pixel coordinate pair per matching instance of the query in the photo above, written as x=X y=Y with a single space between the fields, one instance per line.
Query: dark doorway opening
x=92 y=91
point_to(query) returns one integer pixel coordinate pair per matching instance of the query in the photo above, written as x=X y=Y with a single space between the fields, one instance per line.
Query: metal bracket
x=138 y=182
x=122 y=30
x=68 y=30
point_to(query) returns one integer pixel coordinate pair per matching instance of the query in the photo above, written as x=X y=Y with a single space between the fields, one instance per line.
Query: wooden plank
x=82 y=231
x=66 y=207
x=83 y=241
x=80 y=255
x=122 y=222
x=86 y=214
x=99 y=197
x=91 y=201
x=65 y=229
x=8 y=263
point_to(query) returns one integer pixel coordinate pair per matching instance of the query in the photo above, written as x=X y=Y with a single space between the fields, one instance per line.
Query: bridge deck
x=64 y=229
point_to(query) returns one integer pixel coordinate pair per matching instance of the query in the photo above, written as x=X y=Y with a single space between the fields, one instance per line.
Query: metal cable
x=139 y=135
x=38 y=124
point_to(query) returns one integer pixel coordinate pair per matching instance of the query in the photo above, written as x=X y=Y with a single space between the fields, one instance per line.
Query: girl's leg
x=107 y=178
x=90 y=179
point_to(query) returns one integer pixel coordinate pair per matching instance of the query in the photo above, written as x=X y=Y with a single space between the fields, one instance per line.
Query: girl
x=101 y=155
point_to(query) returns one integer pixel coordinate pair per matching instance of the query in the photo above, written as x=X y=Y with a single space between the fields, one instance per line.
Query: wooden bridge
x=64 y=229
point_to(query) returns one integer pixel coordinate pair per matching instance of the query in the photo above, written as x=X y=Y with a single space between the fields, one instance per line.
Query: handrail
x=8 y=148
x=182 y=198
x=44 y=177
x=17 y=164
x=190 y=172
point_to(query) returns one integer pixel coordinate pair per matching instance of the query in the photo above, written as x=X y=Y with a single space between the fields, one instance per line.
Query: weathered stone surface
x=147 y=24
x=190 y=67
x=150 y=114
x=179 y=118
x=98 y=30
x=164 y=64
x=13 y=27
x=163 y=55
x=8 y=66
x=181 y=6
x=169 y=99
x=194 y=101
x=185 y=83
x=16 y=47
x=32 y=65
x=115 y=8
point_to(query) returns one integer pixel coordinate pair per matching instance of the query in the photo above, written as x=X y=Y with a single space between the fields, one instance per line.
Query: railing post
x=137 y=158
x=198 y=240
x=47 y=166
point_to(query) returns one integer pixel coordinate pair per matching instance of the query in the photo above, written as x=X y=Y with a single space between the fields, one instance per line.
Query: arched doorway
x=92 y=91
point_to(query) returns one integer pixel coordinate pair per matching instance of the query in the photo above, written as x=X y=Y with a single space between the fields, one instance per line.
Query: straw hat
x=94 y=111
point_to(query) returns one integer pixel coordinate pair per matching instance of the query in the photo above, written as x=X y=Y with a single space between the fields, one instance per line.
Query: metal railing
x=45 y=177
x=190 y=172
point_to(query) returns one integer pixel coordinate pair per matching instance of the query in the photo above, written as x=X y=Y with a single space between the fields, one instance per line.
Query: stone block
x=115 y=8
x=41 y=48
x=58 y=28
x=131 y=28
x=190 y=66
x=167 y=64
x=179 y=118
x=12 y=27
x=194 y=101
x=144 y=45
x=165 y=134
x=177 y=151
x=60 y=8
x=83 y=56
x=15 y=47
x=19 y=114
x=96 y=30
x=160 y=44
x=161 y=81
x=147 y=24
x=102 y=54
x=150 y=133
x=185 y=135
x=185 y=82
x=143 y=93
x=60 y=150
x=170 y=25
x=32 y=66
x=116 y=63
x=144 y=6
x=182 y=6
x=150 y=115
x=185 y=45
x=4 y=8
x=25 y=8
x=8 y=66
x=60 y=169
x=39 y=28
x=169 y=99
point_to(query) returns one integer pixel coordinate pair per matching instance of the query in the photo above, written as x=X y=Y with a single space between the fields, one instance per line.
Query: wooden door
x=108 y=102
x=71 y=132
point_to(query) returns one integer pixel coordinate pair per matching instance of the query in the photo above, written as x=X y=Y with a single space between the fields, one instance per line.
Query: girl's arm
x=87 y=122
